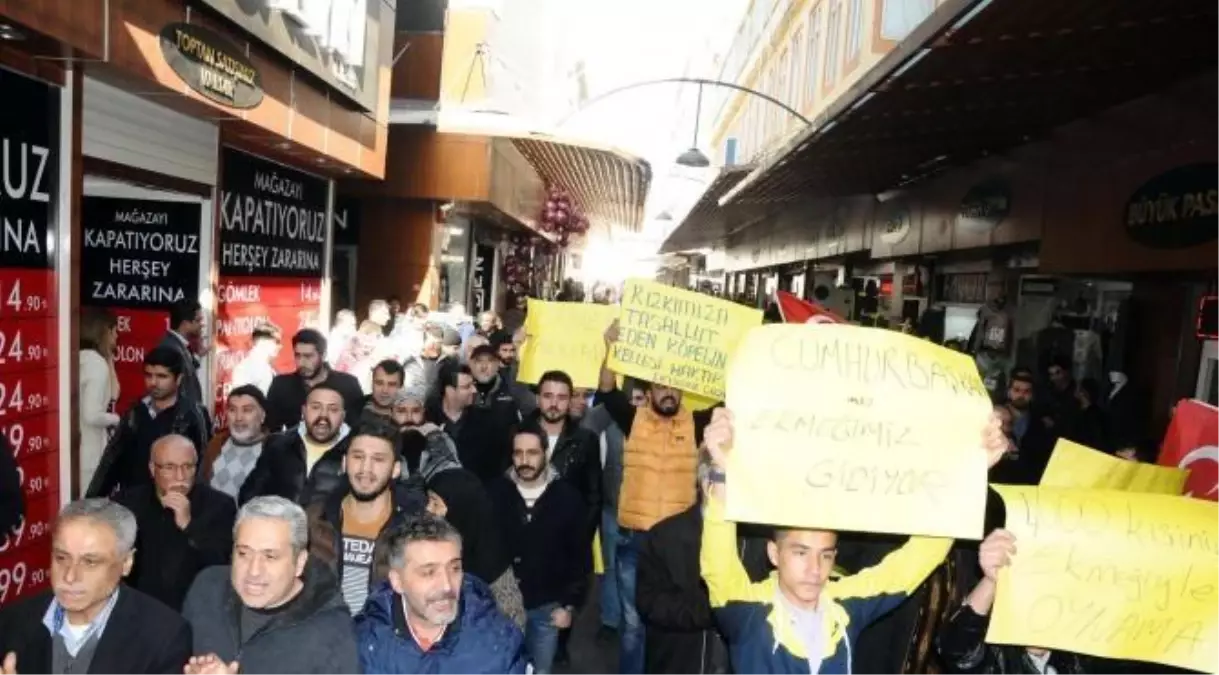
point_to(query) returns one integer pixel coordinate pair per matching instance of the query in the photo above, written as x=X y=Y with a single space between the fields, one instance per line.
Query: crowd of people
x=402 y=503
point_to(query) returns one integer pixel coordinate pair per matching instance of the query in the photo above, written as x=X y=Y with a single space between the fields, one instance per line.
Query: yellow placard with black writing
x=566 y=336
x=1077 y=466
x=849 y=428
x=1119 y=575
x=677 y=337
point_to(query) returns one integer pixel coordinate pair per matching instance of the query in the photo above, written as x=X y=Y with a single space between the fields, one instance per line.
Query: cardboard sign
x=566 y=336
x=1076 y=466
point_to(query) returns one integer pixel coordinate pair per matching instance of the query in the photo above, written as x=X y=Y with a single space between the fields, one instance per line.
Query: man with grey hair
x=88 y=621
x=405 y=624
x=274 y=610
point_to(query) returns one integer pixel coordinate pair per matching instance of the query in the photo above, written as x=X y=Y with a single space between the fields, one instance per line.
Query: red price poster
x=272 y=249
x=139 y=330
x=29 y=358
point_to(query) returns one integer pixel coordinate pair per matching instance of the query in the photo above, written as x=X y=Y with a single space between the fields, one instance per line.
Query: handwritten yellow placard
x=566 y=336
x=1119 y=575
x=850 y=428
x=677 y=337
x=1077 y=466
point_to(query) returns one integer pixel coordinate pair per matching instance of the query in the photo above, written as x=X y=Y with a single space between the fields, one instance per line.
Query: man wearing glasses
x=183 y=525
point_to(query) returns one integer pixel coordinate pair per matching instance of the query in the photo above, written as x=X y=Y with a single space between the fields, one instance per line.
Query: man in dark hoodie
x=346 y=528
x=483 y=445
x=305 y=462
x=494 y=389
x=681 y=636
x=287 y=394
x=274 y=610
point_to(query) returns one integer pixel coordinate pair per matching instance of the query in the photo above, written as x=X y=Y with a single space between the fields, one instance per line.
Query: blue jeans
x=541 y=637
x=630 y=651
x=611 y=606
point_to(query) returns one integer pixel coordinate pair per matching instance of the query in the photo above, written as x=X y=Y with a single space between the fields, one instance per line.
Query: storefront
x=120 y=192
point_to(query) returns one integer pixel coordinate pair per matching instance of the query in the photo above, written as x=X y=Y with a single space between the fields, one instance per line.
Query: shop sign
x=211 y=65
x=985 y=205
x=482 y=278
x=29 y=345
x=1176 y=209
x=895 y=225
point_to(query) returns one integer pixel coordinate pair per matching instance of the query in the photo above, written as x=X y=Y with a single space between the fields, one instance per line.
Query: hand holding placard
x=859 y=429
x=1075 y=465
x=1114 y=574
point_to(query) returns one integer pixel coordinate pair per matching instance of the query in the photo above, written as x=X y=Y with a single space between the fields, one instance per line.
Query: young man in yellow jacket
x=798 y=620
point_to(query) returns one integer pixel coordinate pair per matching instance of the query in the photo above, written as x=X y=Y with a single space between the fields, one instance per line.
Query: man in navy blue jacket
x=429 y=617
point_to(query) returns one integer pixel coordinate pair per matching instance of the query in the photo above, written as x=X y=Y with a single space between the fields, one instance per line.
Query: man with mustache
x=659 y=465
x=540 y=516
x=232 y=453
x=288 y=392
x=425 y=449
x=572 y=451
x=345 y=528
x=306 y=462
x=430 y=617
x=184 y=525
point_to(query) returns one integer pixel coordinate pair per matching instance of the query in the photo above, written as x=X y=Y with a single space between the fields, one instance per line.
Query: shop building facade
x=165 y=151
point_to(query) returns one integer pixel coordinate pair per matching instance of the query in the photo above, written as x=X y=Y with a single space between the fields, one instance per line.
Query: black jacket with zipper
x=577 y=458
x=124 y=462
x=168 y=558
x=680 y=634
x=484 y=446
x=551 y=556
x=282 y=469
x=311 y=633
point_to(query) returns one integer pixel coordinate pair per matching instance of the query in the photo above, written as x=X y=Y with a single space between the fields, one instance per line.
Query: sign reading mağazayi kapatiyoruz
x=272 y=219
x=139 y=253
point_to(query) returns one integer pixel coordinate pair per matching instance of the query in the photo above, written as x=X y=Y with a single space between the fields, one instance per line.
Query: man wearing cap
x=232 y=453
x=425 y=448
x=493 y=391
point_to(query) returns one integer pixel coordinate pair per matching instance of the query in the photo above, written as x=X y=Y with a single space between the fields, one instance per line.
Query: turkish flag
x=795 y=310
x=1192 y=443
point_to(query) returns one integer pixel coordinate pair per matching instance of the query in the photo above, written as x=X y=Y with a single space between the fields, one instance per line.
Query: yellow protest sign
x=1119 y=575
x=850 y=428
x=566 y=336
x=677 y=337
x=1077 y=466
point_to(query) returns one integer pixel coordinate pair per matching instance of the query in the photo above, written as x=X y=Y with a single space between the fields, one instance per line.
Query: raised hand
x=718 y=436
x=997 y=443
x=996 y=553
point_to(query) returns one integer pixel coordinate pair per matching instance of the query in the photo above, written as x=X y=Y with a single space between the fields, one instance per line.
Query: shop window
x=854 y=30
x=833 y=43
x=898 y=18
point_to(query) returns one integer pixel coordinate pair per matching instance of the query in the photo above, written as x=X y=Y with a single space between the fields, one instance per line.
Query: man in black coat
x=305 y=463
x=186 y=324
x=673 y=603
x=90 y=622
x=286 y=396
x=574 y=452
x=483 y=444
x=184 y=526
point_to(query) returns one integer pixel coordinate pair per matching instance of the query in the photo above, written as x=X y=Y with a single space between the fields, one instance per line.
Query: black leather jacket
x=282 y=470
x=577 y=459
x=963 y=648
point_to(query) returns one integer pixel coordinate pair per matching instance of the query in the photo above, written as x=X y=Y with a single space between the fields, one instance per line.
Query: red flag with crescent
x=796 y=310
x=1192 y=443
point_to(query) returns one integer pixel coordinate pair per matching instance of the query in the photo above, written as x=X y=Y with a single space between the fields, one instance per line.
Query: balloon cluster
x=560 y=216
x=518 y=264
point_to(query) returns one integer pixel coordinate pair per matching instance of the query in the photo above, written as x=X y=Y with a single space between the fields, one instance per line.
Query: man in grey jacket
x=274 y=610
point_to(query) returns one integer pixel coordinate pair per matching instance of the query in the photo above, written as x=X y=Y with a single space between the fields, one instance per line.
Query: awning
x=707 y=222
x=980 y=77
x=609 y=185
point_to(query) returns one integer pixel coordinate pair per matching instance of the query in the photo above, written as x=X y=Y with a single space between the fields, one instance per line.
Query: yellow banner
x=849 y=428
x=1077 y=466
x=677 y=337
x=566 y=336
x=1119 y=575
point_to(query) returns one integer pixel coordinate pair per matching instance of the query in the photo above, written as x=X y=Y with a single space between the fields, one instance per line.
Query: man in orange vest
x=658 y=480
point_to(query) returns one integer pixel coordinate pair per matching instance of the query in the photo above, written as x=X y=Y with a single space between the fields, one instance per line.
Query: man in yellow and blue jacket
x=799 y=620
